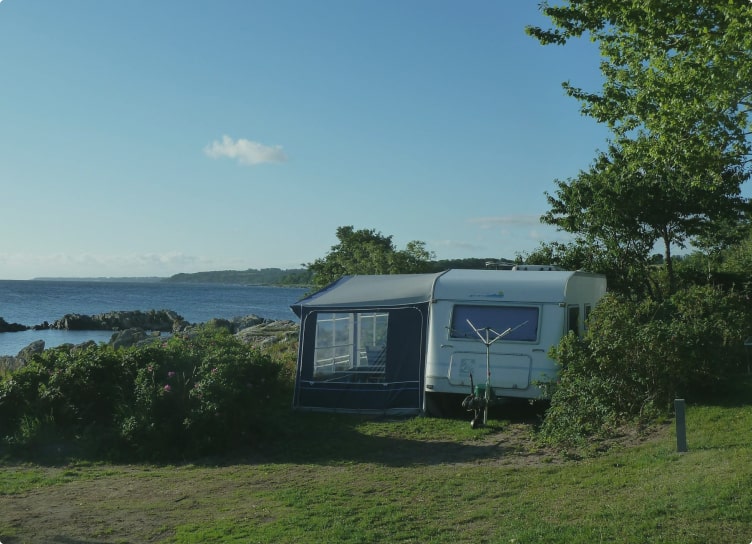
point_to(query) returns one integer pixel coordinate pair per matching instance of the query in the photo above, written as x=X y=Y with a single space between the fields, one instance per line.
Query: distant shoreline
x=266 y=277
x=134 y=279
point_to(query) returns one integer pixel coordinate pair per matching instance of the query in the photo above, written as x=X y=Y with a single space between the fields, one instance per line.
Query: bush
x=187 y=396
x=637 y=357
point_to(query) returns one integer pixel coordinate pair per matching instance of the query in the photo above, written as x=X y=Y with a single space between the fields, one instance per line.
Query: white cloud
x=245 y=151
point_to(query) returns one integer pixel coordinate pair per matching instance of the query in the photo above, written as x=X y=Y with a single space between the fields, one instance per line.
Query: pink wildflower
x=167 y=388
x=170 y=374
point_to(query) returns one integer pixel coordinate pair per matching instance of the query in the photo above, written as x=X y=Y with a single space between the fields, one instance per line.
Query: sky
x=148 y=138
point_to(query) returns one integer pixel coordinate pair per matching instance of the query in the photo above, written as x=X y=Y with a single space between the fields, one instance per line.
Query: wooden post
x=681 y=425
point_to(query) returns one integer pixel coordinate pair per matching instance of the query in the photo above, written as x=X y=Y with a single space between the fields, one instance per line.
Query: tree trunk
x=669 y=263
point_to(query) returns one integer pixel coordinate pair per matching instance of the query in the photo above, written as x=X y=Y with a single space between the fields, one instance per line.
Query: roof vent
x=536 y=267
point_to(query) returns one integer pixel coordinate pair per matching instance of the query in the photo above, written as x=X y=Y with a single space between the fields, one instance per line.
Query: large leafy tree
x=626 y=202
x=677 y=69
x=676 y=96
x=367 y=251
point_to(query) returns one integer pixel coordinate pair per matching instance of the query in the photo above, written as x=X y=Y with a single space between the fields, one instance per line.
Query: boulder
x=26 y=354
x=243 y=322
x=83 y=345
x=127 y=338
x=11 y=327
x=77 y=322
x=8 y=363
x=218 y=323
x=236 y=324
x=269 y=332
x=156 y=320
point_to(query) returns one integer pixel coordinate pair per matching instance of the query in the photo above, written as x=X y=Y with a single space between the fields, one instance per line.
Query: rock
x=218 y=323
x=236 y=324
x=156 y=320
x=83 y=345
x=127 y=338
x=11 y=327
x=8 y=363
x=269 y=332
x=240 y=323
x=77 y=322
x=27 y=354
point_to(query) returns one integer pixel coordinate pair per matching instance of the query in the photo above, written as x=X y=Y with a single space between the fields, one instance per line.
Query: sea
x=32 y=302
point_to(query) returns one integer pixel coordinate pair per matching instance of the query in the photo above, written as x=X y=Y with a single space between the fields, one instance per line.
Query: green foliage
x=637 y=356
x=676 y=69
x=625 y=269
x=676 y=97
x=737 y=258
x=626 y=202
x=366 y=251
x=192 y=395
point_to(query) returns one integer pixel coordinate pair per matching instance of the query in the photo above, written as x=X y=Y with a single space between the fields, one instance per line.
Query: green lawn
x=323 y=478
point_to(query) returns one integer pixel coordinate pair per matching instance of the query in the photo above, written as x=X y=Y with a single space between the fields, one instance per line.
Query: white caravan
x=540 y=305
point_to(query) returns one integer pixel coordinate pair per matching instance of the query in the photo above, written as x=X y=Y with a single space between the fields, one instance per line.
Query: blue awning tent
x=363 y=343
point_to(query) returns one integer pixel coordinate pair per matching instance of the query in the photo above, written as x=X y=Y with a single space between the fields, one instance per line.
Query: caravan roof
x=372 y=291
x=506 y=285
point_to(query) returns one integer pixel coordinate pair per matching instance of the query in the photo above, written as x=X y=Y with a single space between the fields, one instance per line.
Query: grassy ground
x=324 y=478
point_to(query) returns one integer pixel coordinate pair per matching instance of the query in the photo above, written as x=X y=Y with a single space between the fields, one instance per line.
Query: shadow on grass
x=734 y=392
x=335 y=438
x=292 y=437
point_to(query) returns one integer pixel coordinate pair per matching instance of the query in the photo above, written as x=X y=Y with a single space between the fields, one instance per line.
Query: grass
x=335 y=478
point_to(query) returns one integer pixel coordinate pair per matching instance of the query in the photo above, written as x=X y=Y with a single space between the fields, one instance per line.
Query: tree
x=676 y=96
x=737 y=258
x=677 y=69
x=627 y=201
x=367 y=251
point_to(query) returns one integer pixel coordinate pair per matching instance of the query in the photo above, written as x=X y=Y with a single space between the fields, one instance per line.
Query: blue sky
x=146 y=138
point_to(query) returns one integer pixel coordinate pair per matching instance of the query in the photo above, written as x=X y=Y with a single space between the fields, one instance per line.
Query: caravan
x=408 y=343
x=536 y=305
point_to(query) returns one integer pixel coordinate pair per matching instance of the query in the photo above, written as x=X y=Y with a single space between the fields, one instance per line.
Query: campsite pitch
x=341 y=479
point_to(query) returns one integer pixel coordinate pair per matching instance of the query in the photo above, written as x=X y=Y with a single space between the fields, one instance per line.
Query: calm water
x=33 y=302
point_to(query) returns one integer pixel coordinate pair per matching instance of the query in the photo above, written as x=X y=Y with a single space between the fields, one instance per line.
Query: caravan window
x=588 y=308
x=498 y=318
x=350 y=346
x=573 y=319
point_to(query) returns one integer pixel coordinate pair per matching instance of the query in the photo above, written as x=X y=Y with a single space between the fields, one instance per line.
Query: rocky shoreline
x=157 y=320
x=132 y=328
